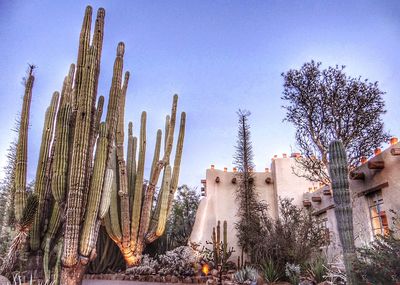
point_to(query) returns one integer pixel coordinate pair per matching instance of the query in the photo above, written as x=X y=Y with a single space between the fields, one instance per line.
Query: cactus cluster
x=220 y=250
x=338 y=172
x=82 y=179
x=131 y=223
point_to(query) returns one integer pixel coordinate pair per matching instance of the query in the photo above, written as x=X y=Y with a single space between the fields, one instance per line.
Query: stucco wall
x=220 y=203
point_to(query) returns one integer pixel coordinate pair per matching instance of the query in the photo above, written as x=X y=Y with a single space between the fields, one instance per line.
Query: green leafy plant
x=271 y=272
x=317 y=269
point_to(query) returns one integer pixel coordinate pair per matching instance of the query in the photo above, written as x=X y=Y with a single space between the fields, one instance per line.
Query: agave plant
x=248 y=274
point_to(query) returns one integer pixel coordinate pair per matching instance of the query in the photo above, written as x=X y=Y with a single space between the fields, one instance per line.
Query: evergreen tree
x=250 y=209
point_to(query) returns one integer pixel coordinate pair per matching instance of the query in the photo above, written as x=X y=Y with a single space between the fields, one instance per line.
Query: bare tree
x=326 y=105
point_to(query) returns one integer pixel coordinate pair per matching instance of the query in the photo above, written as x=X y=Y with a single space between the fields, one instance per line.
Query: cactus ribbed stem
x=162 y=217
x=95 y=192
x=225 y=240
x=61 y=150
x=122 y=172
x=106 y=194
x=22 y=148
x=177 y=161
x=148 y=200
x=157 y=150
x=131 y=164
x=41 y=181
x=167 y=119
x=338 y=171
x=137 y=201
x=114 y=205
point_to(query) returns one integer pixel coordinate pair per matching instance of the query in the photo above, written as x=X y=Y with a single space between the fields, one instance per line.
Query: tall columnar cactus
x=131 y=195
x=22 y=148
x=41 y=172
x=83 y=180
x=338 y=171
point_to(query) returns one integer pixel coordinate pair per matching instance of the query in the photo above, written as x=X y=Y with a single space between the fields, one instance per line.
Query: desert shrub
x=179 y=261
x=292 y=238
x=148 y=266
x=379 y=262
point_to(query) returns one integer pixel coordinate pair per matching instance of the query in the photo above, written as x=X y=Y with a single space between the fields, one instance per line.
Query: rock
x=187 y=280
x=174 y=279
x=214 y=272
x=157 y=278
x=210 y=282
x=306 y=282
x=325 y=283
x=168 y=278
x=260 y=281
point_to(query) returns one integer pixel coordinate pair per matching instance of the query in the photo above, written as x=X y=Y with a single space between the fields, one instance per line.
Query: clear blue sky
x=217 y=55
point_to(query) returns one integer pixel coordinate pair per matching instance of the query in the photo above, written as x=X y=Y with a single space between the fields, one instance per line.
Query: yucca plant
x=22 y=230
x=270 y=271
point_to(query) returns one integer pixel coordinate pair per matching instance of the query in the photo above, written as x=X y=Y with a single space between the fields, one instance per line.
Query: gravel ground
x=123 y=282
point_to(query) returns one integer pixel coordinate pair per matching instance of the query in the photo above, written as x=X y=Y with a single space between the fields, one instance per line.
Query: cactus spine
x=338 y=171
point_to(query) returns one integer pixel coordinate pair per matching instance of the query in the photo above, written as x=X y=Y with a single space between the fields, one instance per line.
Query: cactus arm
x=131 y=164
x=60 y=162
x=22 y=149
x=137 y=200
x=40 y=181
x=167 y=119
x=114 y=205
x=157 y=150
x=84 y=43
x=95 y=192
x=159 y=218
x=121 y=165
x=338 y=171
x=106 y=194
x=177 y=161
x=162 y=217
x=225 y=241
x=115 y=90
x=148 y=200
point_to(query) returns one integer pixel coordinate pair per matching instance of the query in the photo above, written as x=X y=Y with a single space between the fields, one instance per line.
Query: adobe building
x=219 y=201
x=374 y=188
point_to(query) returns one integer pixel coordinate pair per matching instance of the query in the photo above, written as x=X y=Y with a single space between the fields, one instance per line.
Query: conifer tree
x=250 y=209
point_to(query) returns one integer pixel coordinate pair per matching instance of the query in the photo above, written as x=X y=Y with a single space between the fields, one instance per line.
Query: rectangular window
x=322 y=224
x=379 y=221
